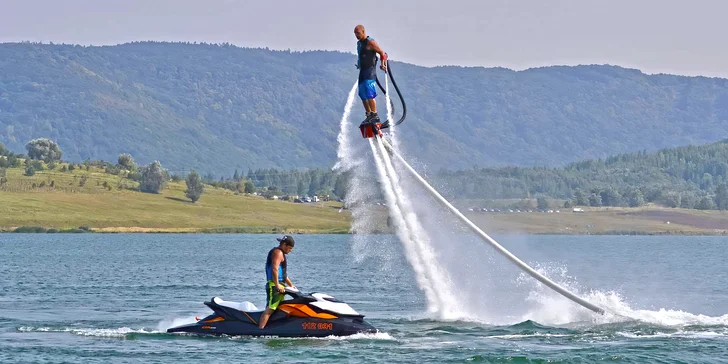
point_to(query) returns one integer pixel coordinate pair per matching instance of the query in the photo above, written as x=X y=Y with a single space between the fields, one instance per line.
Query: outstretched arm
x=373 y=45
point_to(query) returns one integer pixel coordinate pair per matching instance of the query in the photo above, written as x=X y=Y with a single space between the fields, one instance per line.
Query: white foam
x=674 y=318
x=120 y=332
x=362 y=336
x=174 y=322
x=549 y=308
x=358 y=336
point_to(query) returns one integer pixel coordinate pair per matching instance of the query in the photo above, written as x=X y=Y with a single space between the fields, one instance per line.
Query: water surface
x=109 y=298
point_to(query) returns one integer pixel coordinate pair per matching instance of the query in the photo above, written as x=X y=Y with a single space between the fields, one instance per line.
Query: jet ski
x=303 y=315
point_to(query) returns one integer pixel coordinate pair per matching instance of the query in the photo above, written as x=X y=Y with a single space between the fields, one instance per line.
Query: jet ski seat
x=245 y=306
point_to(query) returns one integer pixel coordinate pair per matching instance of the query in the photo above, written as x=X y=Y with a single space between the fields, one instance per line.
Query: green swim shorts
x=274 y=298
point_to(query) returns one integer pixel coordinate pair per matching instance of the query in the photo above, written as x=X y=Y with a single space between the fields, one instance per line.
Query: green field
x=116 y=207
x=607 y=220
x=109 y=203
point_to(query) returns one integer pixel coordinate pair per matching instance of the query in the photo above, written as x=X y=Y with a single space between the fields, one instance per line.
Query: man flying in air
x=367 y=49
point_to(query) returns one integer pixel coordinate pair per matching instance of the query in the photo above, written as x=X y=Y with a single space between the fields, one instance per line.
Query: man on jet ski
x=276 y=272
x=367 y=49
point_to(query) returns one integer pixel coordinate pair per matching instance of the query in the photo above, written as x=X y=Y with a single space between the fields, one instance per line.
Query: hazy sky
x=682 y=37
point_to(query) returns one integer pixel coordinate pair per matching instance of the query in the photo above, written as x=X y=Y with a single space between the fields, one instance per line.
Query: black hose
x=391 y=103
x=404 y=105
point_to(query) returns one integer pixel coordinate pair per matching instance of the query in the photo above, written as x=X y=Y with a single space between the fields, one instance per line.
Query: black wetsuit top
x=282 y=268
x=367 y=60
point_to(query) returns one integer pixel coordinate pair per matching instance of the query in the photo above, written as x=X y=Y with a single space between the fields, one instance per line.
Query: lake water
x=109 y=298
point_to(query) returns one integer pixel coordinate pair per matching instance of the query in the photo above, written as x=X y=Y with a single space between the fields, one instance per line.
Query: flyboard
x=374 y=130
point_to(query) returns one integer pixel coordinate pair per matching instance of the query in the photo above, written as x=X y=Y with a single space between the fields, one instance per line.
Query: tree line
x=45 y=154
x=687 y=177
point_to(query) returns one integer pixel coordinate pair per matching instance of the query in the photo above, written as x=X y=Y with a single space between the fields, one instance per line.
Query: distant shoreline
x=204 y=231
x=96 y=208
x=140 y=230
x=649 y=220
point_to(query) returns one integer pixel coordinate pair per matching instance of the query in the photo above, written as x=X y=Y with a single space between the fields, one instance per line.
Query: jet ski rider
x=277 y=275
x=367 y=49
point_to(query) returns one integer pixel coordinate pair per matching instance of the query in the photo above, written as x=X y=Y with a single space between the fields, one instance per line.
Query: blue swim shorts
x=367 y=89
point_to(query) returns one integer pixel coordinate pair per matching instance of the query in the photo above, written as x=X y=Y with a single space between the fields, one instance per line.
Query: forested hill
x=689 y=177
x=219 y=107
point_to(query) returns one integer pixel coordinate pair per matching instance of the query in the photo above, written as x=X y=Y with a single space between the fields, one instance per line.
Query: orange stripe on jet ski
x=302 y=310
x=216 y=319
x=250 y=318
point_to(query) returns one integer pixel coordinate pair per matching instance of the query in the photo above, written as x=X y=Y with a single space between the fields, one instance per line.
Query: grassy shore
x=650 y=220
x=108 y=203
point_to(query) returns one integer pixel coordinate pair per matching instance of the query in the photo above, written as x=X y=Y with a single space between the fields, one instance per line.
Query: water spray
x=525 y=267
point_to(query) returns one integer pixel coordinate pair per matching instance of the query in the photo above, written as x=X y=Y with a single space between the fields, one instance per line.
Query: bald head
x=359 y=32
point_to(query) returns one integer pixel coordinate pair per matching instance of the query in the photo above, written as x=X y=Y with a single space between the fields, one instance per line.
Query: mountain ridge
x=220 y=107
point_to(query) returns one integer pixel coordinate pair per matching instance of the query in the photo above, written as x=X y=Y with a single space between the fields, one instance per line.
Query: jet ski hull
x=292 y=327
x=314 y=315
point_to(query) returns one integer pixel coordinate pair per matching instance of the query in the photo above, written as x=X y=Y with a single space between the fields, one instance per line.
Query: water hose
x=399 y=93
